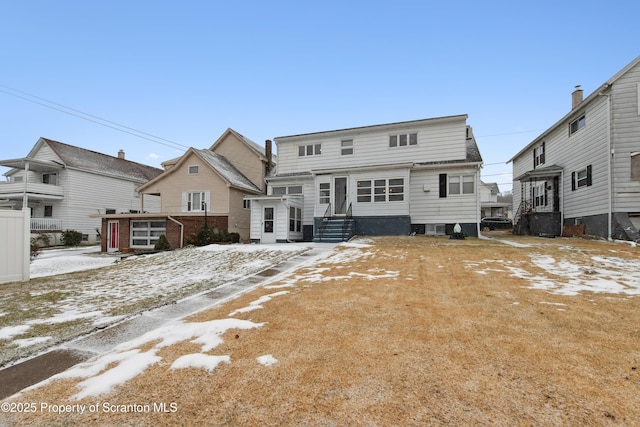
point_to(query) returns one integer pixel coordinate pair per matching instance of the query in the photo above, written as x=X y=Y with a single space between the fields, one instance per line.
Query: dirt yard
x=393 y=331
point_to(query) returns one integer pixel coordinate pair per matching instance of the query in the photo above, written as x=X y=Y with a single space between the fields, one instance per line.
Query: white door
x=268 y=224
x=113 y=236
x=340 y=201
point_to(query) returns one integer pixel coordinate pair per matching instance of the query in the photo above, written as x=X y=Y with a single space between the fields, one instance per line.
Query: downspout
x=610 y=154
x=478 y=204
x=181 y=230
x=25 y=197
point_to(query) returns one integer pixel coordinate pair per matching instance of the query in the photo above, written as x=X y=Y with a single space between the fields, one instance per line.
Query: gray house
x=584 y=171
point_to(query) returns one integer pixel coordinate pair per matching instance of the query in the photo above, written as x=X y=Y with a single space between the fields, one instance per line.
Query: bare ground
x=411 y=334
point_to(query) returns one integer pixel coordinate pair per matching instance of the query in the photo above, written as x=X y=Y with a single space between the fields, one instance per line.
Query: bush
x=162 y=244
x=206 y=236
x=71 y=238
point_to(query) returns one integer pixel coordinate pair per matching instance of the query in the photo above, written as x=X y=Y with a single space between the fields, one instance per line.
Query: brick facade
x=191 y=225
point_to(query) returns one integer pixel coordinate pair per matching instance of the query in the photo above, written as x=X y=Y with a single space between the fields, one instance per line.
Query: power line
x=91 y=118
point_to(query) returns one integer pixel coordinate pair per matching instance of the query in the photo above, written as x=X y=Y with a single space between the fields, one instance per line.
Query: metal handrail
x=325 y=220
x=347 y=221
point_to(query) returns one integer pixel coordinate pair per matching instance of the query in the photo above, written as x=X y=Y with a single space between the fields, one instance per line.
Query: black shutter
x=546 y=194
x=443 y=185
x=589 y=176
x=573 y=181
x=534 y=158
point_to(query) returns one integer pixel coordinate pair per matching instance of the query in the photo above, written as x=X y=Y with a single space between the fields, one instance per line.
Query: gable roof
x=218 y=163
x=93 y=162
x=249 y=143
x=605 y=86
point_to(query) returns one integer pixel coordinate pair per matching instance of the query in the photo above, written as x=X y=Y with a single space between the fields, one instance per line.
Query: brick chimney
x=576 y=97
x=269 y=155
x=121 y=154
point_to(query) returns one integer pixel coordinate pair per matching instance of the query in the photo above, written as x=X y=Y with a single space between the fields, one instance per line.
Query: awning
x=539 y=174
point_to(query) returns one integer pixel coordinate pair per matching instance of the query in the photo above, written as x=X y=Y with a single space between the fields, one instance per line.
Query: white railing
x=45 y=224
x=32 y=188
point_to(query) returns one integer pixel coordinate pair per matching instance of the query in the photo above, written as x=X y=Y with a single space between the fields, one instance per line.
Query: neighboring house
x=489 y=204
x=202 y=186
x=584 y=170
x=417 y=176
x=63 y=185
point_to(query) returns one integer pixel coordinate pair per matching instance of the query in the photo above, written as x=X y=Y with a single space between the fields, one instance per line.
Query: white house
x=417 y=176
x=585 y=169
x=63 y=185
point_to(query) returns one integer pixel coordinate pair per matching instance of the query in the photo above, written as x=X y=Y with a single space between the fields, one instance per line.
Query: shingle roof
x=92 y=161
x=226 y=170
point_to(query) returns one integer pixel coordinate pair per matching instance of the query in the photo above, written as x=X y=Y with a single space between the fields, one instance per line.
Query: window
x=146 y=233
x=382 y=190
x=17 y=179
x=196 y=201
x=581 y=178
x=50 y=178
x=540 y=195
x=402 y=140
x=577 y=124
x=461 y=184
x=293 y=189
x=246 y=204
x=325 y=193
x=364 y=191
x=193 y=170
x=538 y=155
x=635 y=166
x=295 y=219
x=48 y=211
x=346 y=147
x=309 y=150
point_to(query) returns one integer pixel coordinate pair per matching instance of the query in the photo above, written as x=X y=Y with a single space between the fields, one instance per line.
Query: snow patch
x=267 y=360
x=199 y=360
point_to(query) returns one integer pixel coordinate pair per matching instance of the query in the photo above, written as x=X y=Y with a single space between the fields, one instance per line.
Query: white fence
x=15 y=249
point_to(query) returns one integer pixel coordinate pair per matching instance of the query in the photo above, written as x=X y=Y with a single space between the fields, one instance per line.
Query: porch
x=539 y=212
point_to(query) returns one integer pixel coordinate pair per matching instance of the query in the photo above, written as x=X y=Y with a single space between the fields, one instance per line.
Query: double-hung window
x=461 y=184
x=309 y=150
x=346 y=147
x=539 y=155
x=196 y=201
x=577 y=124
x=403 y=140
x=581 y=178
x=380 y=190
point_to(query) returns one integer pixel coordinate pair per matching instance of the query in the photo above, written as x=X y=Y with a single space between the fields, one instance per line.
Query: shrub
x=162 y=244
x=206 y=236
x=71 y=238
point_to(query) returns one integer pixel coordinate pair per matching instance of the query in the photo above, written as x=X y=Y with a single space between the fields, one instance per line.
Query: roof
x=249 y=143
x=377 y=127
x=541 y=173
x=493 y=187
x=99 y=163
x=217 y=163
x=605 y=86
x=226 y=170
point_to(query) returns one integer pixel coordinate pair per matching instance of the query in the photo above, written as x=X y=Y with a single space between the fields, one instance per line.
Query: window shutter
x=443 y=185
x=534 y=158
x=573 y=181
x=207 y=200
x=185 y=201
x=546 y=194
x=589 y=176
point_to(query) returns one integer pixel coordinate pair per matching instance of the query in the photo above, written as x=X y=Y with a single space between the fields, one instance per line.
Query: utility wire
x=91 y=118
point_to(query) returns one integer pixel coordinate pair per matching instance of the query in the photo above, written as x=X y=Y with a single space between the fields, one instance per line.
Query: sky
x=155 y=77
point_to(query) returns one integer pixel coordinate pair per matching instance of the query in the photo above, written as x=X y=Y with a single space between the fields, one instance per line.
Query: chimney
x=121 y=154
x=576 y=97
x=269 y=155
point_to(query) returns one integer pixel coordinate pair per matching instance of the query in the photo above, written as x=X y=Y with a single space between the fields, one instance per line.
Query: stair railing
x=325 y=221
x=347 y=221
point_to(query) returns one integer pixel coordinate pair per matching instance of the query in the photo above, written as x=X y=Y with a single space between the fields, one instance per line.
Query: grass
x=410 y=335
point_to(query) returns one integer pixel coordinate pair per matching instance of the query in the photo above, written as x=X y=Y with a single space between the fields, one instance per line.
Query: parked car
x=495 y=223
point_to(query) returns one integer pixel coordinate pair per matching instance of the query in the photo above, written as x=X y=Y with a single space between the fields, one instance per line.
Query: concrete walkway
x=62 y=357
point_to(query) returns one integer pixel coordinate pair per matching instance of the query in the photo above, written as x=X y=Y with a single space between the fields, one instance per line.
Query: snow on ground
x=97 y=296
x=59 y=261
x=567 y=277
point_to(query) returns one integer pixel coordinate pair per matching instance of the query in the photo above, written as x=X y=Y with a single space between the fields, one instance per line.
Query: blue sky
x=185 y=71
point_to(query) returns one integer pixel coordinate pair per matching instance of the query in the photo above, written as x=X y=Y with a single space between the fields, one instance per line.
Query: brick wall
x=192 y=225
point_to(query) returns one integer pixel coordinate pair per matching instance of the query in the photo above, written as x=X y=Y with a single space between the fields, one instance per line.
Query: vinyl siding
x=427 y=207
x=437 y=141
x=243 y=158
x=626 y=140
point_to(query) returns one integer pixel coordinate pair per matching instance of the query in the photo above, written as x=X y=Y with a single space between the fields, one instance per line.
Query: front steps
x=335 y=230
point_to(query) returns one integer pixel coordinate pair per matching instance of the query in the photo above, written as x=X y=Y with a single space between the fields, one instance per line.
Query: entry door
x=113 y=236
x=340 y=195
x=268 y=224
